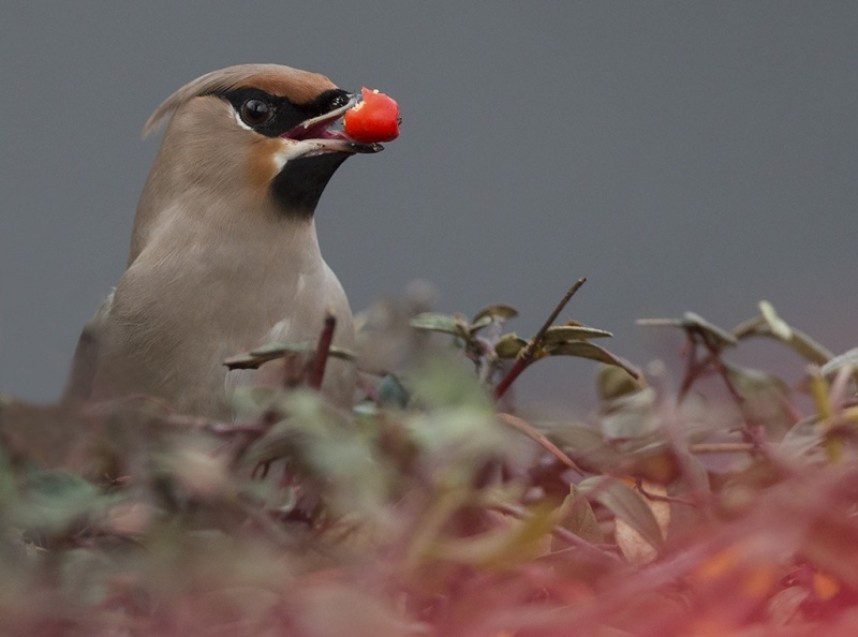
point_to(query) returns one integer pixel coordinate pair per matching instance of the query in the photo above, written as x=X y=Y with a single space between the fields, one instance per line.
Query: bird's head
x=251 y=135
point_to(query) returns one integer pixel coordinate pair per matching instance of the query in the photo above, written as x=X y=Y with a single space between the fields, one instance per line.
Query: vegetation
x=432 y=508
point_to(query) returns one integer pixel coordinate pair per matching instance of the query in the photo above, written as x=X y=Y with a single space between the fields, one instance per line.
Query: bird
x=224 y=255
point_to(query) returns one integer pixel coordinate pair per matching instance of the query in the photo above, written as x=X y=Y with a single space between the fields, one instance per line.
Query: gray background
x=682 y=155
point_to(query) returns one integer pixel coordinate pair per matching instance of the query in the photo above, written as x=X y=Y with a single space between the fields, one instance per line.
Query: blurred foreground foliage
x=713 y=508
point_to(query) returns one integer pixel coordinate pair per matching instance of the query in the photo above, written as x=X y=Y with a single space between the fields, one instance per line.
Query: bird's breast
x=181 y=310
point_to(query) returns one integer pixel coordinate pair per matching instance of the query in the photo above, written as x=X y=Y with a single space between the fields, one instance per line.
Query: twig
x=526 y=428
x=695 y=368
x=692 y=367
x=721 y=368
x=529 y=352
x=323 y=350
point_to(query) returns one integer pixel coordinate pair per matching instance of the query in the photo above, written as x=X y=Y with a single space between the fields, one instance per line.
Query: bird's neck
x=247 y=230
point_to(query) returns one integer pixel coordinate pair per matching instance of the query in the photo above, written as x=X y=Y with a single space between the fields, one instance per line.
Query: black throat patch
x=298 y=187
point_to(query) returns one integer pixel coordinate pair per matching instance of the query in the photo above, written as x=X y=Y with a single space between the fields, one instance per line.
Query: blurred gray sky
x=681 y=155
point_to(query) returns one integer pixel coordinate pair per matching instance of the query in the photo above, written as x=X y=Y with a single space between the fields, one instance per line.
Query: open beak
x=325 y=132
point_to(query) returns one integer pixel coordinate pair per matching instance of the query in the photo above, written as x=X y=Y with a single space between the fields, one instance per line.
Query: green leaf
x=439 y=322
x=801 y=343
x=634 y=546
x=626 y=504
x=691 y=322
x=577 y=516
x=562 y=333
x=777 y=325
x=506 y=547
x=500 y=311
x=631 y=416
x=509 y=345
x=443 y=384
x=719 y=336
x=586 y=349
x=654 y=461
x=615 y=382
x=245 y=361
x=766 y=399
x=480 y=323
x=585 y=446
x=804 y=345
x=266 y=353
x=273 y=351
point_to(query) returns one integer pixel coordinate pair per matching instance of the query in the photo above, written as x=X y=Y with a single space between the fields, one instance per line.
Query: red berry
x=374 y=119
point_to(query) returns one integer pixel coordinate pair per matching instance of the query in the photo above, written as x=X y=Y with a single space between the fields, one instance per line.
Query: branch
x=323 y=350
x=524 y=427
x=529 y=353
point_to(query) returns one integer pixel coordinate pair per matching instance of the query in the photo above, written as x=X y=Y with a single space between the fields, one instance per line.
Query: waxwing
x=224 y=255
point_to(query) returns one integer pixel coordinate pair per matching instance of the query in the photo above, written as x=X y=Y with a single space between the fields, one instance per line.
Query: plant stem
x=529 y=353
x=323 y=350
x=528 y=430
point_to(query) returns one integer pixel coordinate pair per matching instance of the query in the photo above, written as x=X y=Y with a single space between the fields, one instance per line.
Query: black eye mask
x=274 y=116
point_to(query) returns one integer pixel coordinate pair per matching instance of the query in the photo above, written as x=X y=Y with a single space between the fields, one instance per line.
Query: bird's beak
x=325 y=132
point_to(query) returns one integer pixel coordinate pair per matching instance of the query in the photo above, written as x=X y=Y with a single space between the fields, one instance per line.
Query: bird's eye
x=255 y=112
